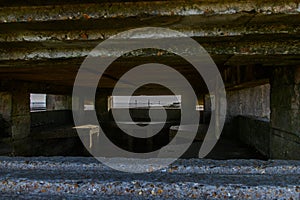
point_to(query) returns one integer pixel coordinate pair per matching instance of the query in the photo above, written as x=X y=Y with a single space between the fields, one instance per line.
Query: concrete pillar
x=58 y=102
x=101 y=105
x=208 y=108
x=5 y=114
x=16 y=121
x=20 y=114
x=285 y=113
x=78 y=109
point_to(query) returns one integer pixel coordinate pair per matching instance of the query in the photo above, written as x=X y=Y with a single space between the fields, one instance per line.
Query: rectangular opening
x=200 y=107
x=167 y=101
x=37 y=102
x=89 y=105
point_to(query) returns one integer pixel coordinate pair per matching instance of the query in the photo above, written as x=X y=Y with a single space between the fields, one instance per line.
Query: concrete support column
x=20 y=114
x=101 y=105
x=58 y=102
x=285 y=113
x=20 y=120
x=78 y=108
x=5 y=114
x=15 y=121
x=208 y=99
x=191 y=103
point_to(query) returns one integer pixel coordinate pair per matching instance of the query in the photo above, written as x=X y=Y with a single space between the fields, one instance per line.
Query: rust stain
x=84 y=36
x=86 y=16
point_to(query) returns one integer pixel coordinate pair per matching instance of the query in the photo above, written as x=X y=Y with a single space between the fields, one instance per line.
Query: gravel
x=78 y=177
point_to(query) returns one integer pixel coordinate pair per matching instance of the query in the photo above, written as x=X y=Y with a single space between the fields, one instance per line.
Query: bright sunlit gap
x=37 y=102
x=168 y=101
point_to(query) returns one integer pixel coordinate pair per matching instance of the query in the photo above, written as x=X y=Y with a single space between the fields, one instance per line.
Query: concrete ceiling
x=46 y=42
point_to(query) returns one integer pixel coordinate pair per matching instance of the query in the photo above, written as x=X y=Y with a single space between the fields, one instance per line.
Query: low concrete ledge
x=187 y=129
x=284 y=145
x=51 y=118
x=255 y=132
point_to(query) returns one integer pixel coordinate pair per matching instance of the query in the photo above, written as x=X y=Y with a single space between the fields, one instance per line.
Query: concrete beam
x=36 y=87
x=69 y=11
x=192 y=25
x=277 y=44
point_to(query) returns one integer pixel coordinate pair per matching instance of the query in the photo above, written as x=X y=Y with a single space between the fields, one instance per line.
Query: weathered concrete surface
x=5 y=105
x=285 y=116
x=36 y=87
x=20 y=118
x=255 y=132
x=15 y=111
x=192 y=25
x=248 y=116
x=279 y=44
x=284 y=145
x=5 y=114
x=253 y=102
x=15 y=119
x=70 y=11
x=60 y=34
x=45 y=43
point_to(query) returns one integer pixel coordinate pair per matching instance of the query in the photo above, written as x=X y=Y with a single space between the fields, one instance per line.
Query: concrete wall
x=253 y=102
x=248 y=117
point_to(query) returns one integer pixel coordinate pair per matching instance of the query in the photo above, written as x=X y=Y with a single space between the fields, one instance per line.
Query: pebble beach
x=87 y=178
